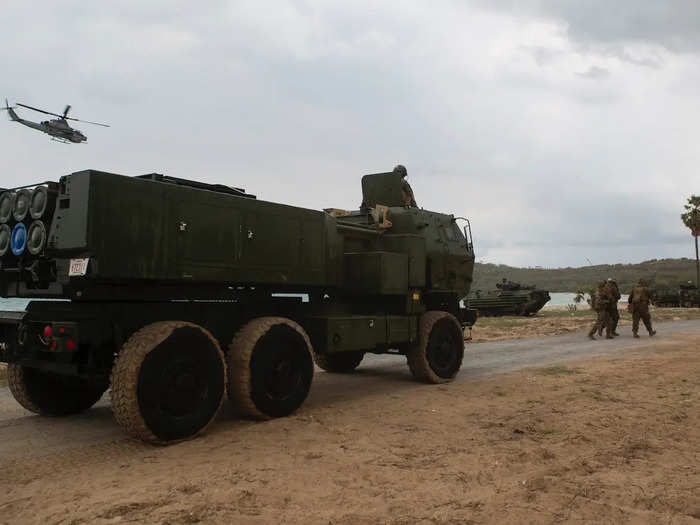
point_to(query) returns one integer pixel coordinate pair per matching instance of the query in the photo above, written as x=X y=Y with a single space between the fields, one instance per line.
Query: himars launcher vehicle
x=175 y=294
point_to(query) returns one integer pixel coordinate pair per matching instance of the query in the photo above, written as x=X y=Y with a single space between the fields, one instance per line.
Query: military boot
x=591 y=336
x=635 y=335
x=652 y=333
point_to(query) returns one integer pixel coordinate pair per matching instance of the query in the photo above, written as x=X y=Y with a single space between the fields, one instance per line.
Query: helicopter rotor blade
x=64 y=117
x=39 y=110
x=88 y=122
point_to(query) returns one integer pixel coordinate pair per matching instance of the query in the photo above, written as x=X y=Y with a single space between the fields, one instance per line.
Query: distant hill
x=658 y=272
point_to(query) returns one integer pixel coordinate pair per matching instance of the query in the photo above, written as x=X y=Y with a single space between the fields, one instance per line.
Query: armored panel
x=414 y=247
x=401 y=329
x=381 y=188
x=150 y=233
x=360 y=332
x=344 y=333
x=69 y=230
x=381 y=273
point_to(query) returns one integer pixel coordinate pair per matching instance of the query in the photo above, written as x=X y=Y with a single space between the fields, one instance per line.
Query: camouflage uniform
x=639 y=306
x=409 y=200
x=600 y=303
x=614 y=315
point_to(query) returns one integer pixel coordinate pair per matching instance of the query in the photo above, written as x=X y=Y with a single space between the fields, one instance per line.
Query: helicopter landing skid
x=64 y=141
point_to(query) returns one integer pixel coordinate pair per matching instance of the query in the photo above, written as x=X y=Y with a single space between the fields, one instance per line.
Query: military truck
x=176 y=294
x=509 y=298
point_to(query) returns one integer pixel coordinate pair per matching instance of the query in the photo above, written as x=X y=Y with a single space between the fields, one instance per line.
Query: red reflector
x=53 y=345
x=47 y=331
x=61 y=330
x=70 y=344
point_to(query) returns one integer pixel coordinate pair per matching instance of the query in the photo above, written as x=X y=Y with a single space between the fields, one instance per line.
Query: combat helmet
x=401 y=170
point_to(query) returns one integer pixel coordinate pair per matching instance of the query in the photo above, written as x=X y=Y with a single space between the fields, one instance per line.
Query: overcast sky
x=563 y=130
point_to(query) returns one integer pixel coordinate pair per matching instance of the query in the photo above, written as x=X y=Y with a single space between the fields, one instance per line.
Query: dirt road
x=377 y=447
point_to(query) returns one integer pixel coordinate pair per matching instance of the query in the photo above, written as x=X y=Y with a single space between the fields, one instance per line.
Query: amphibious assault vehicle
x=665 y=297
x=509 y=298
x=686 y=295
x=176 y=294
x=689 y=295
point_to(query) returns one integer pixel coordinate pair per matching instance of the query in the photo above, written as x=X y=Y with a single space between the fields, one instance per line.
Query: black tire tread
x=18 y=387
x=238 y=359
x=329 y=363
x=64 y=403
x=416 y=357
x=125 y=377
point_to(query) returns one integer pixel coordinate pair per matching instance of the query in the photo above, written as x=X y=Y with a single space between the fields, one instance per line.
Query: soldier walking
x=639 y=306
x=600 y=302
x=614 y=292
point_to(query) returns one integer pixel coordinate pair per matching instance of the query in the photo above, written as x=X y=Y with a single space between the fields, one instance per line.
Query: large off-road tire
x=339 y=362
x=270 y=367
x=437 y=355
x=51 y=394
x=168 y=382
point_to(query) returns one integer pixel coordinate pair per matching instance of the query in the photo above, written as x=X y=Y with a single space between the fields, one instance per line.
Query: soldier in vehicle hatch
x=614 y=315
x=639 y=306
x=600 y=303
x=409 y=200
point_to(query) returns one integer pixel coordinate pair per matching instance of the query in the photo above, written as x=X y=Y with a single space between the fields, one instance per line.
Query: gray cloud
x=674 y=25
x=594 y=73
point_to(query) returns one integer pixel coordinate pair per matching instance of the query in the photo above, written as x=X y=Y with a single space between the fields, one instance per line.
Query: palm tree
x=691 y=218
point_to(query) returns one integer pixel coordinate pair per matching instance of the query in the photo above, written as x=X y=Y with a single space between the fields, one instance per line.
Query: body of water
x=561 y=299
x=564 y=298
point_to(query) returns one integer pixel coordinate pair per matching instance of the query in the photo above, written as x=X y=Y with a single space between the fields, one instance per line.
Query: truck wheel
x=339 y=362
x=168 y=382
x=51 y=394
x=270 y=367
x=437 y=355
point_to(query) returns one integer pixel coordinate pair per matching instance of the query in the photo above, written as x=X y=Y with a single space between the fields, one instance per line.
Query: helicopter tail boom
x=11 y=112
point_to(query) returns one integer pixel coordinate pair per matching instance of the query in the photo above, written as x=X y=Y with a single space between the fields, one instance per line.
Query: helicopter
x=58 y=128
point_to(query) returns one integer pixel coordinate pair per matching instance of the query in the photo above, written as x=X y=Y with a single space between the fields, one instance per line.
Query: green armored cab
x=509 y=298
x=176 y=294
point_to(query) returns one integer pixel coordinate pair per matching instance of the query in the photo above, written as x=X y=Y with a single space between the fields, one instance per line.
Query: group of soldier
x=604 y=302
